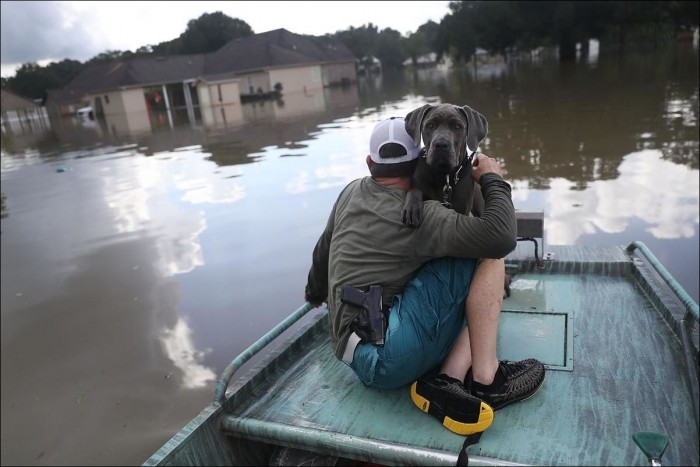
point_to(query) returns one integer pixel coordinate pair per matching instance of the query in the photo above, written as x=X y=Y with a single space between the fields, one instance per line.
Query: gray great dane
x=450 y=135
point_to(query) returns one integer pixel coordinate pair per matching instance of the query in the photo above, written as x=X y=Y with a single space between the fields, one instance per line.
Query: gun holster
x=370 y=323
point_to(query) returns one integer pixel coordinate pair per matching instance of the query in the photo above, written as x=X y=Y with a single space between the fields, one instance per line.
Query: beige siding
x=254 y=81
x=220 y=103
x=297 y=79
x=125 y=111
x=133 y=100
x=120 y=101
x=337 y=73
x=224 y=93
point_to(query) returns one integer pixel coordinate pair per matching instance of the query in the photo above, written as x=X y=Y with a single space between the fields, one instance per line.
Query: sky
x=42 y=32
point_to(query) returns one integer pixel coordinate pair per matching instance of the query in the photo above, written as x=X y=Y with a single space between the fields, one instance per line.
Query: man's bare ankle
x=484 y=376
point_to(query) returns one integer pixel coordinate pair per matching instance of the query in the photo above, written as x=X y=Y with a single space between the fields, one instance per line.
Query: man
x=430 y=283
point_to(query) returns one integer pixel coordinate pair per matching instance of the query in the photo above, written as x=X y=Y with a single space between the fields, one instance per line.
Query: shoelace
x=516 y=384
x=509 y=368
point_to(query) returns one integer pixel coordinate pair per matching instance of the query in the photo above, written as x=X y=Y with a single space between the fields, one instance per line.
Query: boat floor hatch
x=545 y=335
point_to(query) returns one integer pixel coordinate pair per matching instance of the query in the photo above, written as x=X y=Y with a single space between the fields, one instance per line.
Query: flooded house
x=20 y=114
x=205 y=88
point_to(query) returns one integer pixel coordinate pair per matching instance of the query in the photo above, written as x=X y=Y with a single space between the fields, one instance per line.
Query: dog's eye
x=458 y=126
x=429 y=125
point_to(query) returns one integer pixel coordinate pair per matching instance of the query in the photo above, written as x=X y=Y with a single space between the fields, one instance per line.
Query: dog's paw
x=411 y=214
x=506 y=285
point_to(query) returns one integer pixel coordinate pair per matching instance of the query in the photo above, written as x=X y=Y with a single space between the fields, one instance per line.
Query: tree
x=499 y=25
x=109 y=56
x=498 y=28
x=361 y=41
x=31 y=80
x=421 y=42
x=389 y=48
x=210 y=32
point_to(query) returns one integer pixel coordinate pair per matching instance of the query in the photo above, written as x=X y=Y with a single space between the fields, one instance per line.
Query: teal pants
x=424 y=323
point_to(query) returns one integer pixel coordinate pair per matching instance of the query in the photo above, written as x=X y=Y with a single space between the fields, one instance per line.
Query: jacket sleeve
x=493 y=235
x=316 y=290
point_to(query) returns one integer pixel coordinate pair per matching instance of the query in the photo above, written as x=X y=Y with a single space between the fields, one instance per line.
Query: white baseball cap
x=392 y=130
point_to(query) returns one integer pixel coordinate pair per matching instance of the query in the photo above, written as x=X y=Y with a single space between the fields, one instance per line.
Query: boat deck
x=615 y=367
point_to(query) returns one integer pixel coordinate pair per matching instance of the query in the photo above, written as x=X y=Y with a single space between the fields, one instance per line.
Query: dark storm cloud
x=33 y=31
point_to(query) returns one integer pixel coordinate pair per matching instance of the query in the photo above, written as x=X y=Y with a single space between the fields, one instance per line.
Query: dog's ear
x=414 y=121
x=477 y=127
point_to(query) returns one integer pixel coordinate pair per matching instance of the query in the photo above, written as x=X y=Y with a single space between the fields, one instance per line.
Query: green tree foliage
x=110 y=56
x=361 y=41
x=210 y=32
x=422 y=42
x=387 y=45
x=31 y=80
x=501 y=26
x=389 y=48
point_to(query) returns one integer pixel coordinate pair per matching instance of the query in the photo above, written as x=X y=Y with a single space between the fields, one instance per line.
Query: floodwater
x=136 y=265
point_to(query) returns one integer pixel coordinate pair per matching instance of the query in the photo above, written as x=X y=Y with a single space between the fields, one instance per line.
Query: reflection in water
x=132 y=191
x=180 y=348
x=666 y=200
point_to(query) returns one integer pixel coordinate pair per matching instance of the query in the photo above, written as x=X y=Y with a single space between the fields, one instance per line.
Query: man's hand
x=315 y=301
x=483 y=164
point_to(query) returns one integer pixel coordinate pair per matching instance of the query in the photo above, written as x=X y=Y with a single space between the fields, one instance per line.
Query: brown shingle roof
x=274 y=49
x=138 y=71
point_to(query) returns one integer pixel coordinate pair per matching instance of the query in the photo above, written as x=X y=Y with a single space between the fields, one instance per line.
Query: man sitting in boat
x=440 y=338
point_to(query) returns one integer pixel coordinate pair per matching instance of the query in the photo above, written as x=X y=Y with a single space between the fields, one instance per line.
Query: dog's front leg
x=412 y=208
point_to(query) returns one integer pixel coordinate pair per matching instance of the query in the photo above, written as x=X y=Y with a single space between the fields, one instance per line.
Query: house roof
x=138 y=71
x=275 y=48
x=64 y=96
x=12 y=101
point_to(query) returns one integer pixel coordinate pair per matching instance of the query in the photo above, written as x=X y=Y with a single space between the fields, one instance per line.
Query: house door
x=99 y=111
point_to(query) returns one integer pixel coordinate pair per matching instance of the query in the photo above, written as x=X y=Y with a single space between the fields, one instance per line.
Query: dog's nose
x=441 y=145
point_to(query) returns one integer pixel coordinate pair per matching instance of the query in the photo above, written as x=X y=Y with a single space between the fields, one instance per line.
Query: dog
x=451 y=135
x=448 y=132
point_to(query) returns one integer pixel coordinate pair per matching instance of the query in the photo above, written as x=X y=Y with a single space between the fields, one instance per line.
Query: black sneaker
x=521 y=380
x=447 y=400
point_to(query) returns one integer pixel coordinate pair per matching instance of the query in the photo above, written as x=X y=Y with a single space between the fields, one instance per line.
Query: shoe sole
x=535 y=391
x=461 y=428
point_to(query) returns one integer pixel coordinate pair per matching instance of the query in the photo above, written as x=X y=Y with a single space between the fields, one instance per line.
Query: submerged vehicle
x=618 y=336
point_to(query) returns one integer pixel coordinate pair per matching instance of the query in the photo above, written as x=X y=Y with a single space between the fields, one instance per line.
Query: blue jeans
x=424 y=323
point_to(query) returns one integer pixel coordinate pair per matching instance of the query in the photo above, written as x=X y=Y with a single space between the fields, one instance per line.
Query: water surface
x=136 y=265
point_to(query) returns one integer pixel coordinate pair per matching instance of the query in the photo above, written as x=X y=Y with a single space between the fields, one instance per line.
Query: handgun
x=370 y=323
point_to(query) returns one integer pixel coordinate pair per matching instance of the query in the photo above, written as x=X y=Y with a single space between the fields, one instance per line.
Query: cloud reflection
x=325 y=177
x=661 y=194
x=134 y=194
x=179 y=347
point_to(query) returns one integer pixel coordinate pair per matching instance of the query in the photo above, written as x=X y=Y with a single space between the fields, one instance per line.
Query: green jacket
x=365 y=243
